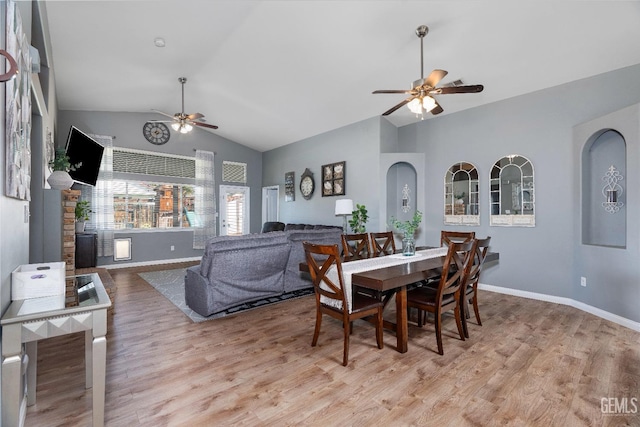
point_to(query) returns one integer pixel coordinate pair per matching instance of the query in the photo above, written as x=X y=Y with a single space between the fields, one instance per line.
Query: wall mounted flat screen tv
x=83 y=149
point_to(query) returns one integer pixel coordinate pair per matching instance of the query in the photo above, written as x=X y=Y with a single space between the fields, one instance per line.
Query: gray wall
x=127 y=128
x=612 y=273
x=14 y=219
x=539 y=126
x=358 y=144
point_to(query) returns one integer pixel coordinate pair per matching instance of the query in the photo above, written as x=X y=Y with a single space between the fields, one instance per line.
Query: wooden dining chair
x=470 y=294
x=331 y=298
x=383 y=243
x=447 y=237
x=356 y=246
x=447 y=294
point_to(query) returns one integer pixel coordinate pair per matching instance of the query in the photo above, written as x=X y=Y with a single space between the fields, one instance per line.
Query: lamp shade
x=344 y=207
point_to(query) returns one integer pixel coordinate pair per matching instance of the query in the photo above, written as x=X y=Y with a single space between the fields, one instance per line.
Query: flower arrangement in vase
x=408 y=228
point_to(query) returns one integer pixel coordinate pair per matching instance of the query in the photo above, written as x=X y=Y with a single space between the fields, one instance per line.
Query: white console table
x=28 y=321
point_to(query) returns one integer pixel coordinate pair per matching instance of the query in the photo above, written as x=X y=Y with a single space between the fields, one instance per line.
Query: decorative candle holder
x=612 y=190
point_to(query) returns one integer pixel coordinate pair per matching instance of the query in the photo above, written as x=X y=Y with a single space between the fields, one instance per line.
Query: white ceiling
x=270 y=73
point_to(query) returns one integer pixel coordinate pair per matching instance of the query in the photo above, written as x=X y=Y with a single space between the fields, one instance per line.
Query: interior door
x=270 y=203
x=234 y=210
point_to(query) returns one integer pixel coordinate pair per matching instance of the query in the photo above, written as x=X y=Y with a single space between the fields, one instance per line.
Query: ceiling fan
x=421 y=93
x=183 y=122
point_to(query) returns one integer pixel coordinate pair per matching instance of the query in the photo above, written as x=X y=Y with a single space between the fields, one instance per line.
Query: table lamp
x=344 y=207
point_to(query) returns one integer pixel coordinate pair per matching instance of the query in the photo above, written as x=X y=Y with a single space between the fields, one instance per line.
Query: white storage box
x=38 y=280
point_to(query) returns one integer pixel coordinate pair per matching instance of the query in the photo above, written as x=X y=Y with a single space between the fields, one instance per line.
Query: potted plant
x=60 y=165
x=460 y=198
x=408 y=229
x=358 y=219
x=83 y=209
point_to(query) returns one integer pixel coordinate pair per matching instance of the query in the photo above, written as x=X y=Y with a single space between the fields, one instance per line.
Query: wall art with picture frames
x=18 y=110
x=333 y=179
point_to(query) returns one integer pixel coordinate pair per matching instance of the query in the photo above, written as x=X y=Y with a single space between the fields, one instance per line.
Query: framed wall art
x=333 y=179
x=289 y=187
x=18 y=110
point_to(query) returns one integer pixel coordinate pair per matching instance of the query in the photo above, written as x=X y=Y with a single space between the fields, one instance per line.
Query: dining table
x=391 y=276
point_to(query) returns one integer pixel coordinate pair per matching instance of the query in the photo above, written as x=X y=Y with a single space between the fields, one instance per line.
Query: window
x=145 y=205
x=234 y=172
x=153 y=191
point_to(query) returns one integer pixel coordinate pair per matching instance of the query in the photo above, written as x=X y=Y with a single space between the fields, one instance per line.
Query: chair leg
x=316 y=332
x=458 y=315
x=475 y=308
x=465 y=315
x=466 y=307
x=347 y=332
x=438 y=326
x=379 y=338
x=420 y=318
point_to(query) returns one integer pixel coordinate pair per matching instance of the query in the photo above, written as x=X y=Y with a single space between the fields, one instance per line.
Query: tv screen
x=83 y=149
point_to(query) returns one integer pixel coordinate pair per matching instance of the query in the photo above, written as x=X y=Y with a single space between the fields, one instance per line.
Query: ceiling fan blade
x=458 y=89
x=204 y=125
x=394 y=108
x=195 y=116
x=164 y=114
x=160 y=121
x=437 y=109
x=435 y=77
x=409 y=92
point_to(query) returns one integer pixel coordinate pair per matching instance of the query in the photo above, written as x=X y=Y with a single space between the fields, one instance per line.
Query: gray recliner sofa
x=238 y=269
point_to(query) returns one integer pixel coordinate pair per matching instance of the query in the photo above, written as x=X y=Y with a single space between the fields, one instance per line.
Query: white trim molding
x=564 y=301
x=145 y=263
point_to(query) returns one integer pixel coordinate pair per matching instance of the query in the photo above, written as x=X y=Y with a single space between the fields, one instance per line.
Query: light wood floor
x=531 y=364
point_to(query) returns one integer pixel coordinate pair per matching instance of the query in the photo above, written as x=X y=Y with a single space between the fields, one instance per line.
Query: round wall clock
x=156 y=133
x=307 y=184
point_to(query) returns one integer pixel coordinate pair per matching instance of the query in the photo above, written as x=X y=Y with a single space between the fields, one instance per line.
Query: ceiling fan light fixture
x=186 y=128
x=415 y=106
x=175 y=126
x=428 y=103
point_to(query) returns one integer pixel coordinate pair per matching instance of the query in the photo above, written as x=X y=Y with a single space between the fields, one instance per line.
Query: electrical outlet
x=173 y=248
x=583 y=281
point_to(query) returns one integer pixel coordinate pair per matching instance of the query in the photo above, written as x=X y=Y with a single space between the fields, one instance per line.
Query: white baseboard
x=144 y=263
x=564 y=301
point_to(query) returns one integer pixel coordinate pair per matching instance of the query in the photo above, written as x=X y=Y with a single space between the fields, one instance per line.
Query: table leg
x=12 y=394
x=402 y=328
x=32 y=371
x=88 y=359
x=99 y=365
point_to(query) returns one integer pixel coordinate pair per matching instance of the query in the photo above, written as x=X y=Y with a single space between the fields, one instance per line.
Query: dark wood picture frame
x=289 y=187
x=334 y=179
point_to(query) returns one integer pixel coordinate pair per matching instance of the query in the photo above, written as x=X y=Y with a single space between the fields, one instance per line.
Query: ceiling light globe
x=428 y=103
x=175 y=126
x=415 y=106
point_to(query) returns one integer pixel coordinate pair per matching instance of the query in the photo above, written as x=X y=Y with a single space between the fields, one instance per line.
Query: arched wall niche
x=604 y=189
x=396 y=171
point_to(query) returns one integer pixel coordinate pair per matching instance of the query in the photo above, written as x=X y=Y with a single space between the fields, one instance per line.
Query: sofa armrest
x=196 y=293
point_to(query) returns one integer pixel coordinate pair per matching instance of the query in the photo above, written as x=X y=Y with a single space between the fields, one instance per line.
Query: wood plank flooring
x=532 y=363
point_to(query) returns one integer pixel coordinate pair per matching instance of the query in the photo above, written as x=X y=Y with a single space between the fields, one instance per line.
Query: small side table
x=28 y=321
x=86 y=250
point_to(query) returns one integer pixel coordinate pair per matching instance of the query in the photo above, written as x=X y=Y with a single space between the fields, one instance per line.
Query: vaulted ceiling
x=270 y=73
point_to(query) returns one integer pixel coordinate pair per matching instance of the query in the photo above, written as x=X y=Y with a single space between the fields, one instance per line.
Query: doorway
x=234 y=210
x=270 y=203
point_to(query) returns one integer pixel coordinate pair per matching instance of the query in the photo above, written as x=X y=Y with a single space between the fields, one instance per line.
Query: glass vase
x=408 y=245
